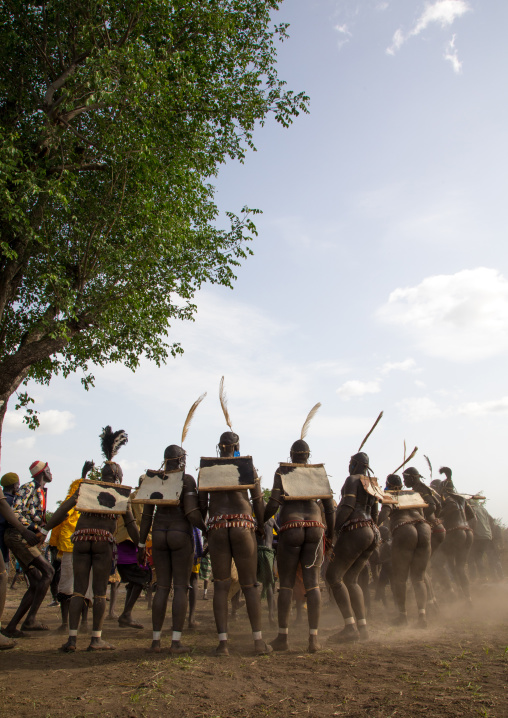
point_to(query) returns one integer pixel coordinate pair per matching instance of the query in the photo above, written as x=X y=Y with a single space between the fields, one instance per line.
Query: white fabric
x=66 y=582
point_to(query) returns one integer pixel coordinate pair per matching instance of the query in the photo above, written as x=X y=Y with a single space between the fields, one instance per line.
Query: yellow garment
x=61 y=534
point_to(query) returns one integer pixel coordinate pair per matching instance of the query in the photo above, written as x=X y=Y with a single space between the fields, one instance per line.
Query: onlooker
x=10 y=484
x=30 y=539
x=30 y=507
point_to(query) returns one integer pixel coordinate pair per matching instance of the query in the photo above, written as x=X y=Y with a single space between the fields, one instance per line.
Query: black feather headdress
x=112 y=441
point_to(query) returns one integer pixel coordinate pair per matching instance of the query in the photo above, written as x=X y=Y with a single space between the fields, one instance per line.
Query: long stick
x=406 y=460
x=370 y=432
x=428 y=462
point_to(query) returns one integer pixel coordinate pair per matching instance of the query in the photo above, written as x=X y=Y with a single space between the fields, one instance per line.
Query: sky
x=379 y=279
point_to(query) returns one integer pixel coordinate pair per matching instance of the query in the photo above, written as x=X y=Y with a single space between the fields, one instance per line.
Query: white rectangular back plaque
x=163 y=488
x=407 y=499
x=99 y=497
x=304 y=481
x=226 y=474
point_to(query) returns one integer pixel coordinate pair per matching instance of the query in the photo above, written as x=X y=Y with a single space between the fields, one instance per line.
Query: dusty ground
x=458 y=667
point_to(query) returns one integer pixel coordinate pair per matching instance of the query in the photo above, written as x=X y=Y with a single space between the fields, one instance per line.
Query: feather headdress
x=312 y=413
x=190 y=416
x=428 y=462
x=370 y=432
x=112 y=441
x=406 y=460
x=224 y=403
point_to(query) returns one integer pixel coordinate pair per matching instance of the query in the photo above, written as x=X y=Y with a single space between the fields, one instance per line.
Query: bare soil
x=457 y=667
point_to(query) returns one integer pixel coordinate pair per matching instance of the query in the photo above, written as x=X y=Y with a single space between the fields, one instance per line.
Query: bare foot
x=364 y=633
x=222 y=649
x=193 y=624
x=314 y=644
x=280 y=643
x=178 y=648
x=261 y=648
x=6 y=643
x=349 y=634
x=34 y=627
x=128 y=622
x=112 y=617
x=70 y=646
x=155 y=647
x=13 y=633
x=62 y=629
x=97 y=644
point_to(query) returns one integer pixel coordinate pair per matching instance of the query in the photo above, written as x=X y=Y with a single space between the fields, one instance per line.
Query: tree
x=114 y=117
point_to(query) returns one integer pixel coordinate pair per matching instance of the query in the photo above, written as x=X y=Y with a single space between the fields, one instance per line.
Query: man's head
x=300 y=452
x=437 y=485
x=411 y=477
x=10 y=482
x=41 y=472
x=359 y=464
x=174 y=458
x=111 y=473
x=229 y=442
x=447 y=483
x=393 y=482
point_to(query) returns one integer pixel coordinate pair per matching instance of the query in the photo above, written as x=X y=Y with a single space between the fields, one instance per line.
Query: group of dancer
x=311 y=529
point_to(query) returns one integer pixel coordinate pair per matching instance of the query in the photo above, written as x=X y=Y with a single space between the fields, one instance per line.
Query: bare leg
x=220 y=555
x=5 y=643
x=131 y=596
x=193 y=597
x=351 y=550
x=404 y=543
x=419 y=564
x=113 y=595
x=288 y=556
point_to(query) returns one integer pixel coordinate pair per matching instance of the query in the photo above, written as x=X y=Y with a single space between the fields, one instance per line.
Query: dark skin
x=410 y=556
x=431 y=513
x=31 y=539
x=237 y=543
x=267 y=540
x=93 y=554
x=352 y=550
x=455 y=515
x=172 y=552
x=40 y=574
x=302 y=546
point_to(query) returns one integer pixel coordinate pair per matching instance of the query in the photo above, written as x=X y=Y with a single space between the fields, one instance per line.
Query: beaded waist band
x=358 y=524
x=411 y=522
x=300 y=525
x=437 y=527
x=231 y=521
x=92 y=535
x=464 y=528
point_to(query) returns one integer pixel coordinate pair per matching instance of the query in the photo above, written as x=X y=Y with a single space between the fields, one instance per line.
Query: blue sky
x=379 y=280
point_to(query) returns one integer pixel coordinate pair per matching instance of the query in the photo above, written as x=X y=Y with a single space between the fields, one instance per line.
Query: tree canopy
x=115 y=116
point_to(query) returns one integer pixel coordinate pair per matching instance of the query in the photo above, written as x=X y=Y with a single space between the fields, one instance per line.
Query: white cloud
x=355 y=388
x=452 y=57
x=51 y=421
x=481 y=408
x=460 y=317
x=344 y=34
x=406 y=365
x=419 y=409
x=441 y=12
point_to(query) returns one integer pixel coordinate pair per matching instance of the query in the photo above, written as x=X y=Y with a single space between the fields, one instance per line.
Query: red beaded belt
x=231 y=521
x=300 y=525
x=92 y=535
x=358 y=524
x=437 y=527
x=464 y=528
x=412 y=522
